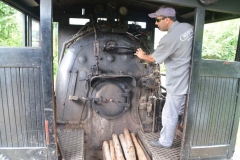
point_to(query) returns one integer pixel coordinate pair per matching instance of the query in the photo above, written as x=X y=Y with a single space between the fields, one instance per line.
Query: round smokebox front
x=111 y=98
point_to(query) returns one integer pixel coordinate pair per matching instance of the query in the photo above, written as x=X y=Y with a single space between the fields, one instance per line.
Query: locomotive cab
x=102 y=88
x=103 y=91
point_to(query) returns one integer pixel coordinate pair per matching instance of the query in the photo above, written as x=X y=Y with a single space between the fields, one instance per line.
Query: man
x=174 y=50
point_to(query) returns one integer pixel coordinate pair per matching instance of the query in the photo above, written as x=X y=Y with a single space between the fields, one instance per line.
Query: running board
x=71 y=143
x=160 y=153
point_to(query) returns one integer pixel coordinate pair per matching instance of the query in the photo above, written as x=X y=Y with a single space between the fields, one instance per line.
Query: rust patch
x=47 y=132
x=225 y=62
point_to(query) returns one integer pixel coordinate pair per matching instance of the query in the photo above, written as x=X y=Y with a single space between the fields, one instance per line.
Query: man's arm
x=142 y=55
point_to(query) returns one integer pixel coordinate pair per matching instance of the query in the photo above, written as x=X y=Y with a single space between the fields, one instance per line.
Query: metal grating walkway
x=71 y=143
x=160 y=153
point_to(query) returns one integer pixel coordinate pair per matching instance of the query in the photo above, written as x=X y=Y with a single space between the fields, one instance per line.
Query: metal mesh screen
x=160 y=153
x=71 y=143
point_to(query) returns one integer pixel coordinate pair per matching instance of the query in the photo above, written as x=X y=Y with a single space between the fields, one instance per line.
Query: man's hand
x=142 y=55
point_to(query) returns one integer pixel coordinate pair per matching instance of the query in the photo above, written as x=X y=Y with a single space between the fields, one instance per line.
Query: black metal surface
x=25 y=57
x=152 y=5
x=73 y=61
x=25 y=35
x=29 y=32
x=21 y=121
x=194 y=74
x=229 y=6
x=67 y=5
x=220 y=10
x=47 y=76
x=111 y=98
x=25 y=97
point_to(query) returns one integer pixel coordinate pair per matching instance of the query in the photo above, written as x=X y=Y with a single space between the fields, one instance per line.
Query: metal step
x=172 y=153
x=71 y=143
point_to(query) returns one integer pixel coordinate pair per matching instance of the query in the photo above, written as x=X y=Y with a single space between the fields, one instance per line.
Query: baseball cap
x=166 y=12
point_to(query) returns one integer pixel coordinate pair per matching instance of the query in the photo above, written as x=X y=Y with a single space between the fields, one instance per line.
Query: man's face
x=162 y=23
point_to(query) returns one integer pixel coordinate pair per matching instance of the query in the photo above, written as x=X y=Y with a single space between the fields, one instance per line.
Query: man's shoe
x=156 y=143
x=180 y=119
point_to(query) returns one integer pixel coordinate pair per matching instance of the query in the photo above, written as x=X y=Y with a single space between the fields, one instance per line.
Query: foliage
x=220 y=40
x=55 y=48
x=10 y=26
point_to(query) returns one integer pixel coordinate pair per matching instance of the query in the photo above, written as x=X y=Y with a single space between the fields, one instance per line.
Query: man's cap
x=166 y=12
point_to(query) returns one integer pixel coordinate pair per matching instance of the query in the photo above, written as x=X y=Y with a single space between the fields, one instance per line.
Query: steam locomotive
x=102 y=87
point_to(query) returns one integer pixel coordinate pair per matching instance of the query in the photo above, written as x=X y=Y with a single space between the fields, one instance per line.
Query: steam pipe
x=154 y=113
x=76 y=36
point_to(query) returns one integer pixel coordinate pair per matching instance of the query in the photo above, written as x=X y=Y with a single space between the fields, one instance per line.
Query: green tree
x=55 y=49
x=220 y=40
x=10 y=26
